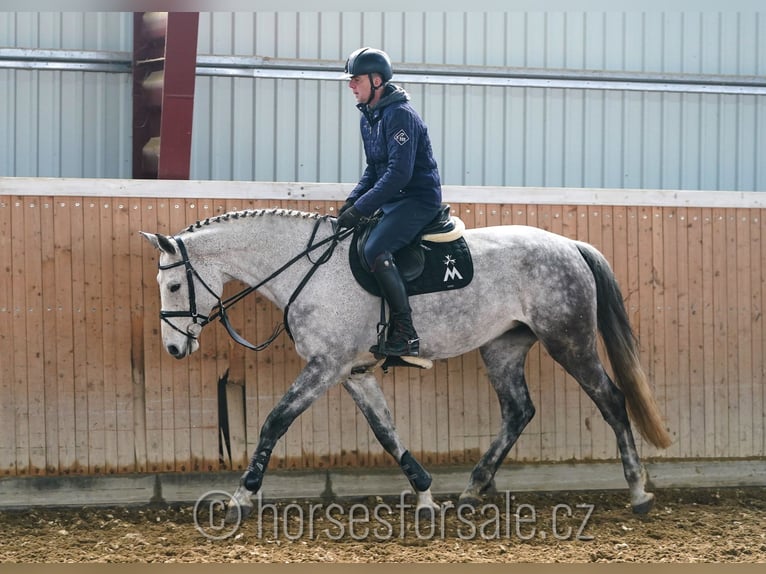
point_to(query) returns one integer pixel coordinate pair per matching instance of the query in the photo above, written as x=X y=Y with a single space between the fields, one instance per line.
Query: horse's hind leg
x=581 y=360
x=369 y=397
x=504 y=359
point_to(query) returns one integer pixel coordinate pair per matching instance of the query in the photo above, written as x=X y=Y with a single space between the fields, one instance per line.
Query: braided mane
x=244 y=214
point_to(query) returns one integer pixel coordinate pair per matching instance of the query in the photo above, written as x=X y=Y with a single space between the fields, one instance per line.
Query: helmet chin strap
x=373 y=89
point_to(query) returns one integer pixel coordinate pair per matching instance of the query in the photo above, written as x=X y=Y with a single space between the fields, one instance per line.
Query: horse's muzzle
x=181 y=353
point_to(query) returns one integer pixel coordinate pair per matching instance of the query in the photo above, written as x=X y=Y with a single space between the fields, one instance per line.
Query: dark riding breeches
x=400 y=224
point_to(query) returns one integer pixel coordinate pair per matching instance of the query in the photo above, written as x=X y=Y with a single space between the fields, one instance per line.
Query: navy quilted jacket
x=400 y=162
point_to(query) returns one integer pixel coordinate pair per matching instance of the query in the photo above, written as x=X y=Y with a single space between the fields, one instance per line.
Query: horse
x=529 y=285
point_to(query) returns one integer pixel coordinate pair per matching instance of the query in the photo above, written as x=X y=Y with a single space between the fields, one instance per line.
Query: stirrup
x=418 y=362
x=382 y=350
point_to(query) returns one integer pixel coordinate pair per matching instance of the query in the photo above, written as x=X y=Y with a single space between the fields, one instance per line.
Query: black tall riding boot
x=402 y=339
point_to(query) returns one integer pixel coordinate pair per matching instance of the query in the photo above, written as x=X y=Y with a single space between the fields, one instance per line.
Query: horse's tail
x=622 y=348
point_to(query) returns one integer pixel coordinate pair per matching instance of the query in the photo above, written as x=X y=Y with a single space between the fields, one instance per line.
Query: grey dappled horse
x=529 y=285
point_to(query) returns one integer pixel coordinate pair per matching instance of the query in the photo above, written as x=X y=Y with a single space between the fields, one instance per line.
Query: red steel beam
x=164 y=70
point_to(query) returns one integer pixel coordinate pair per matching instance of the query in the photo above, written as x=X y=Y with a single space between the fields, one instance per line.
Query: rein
x=219 y=311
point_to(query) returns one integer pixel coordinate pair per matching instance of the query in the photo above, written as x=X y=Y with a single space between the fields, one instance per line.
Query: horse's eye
x=175 y=287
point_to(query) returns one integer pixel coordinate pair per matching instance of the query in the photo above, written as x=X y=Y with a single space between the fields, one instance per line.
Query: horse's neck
x=252 y=249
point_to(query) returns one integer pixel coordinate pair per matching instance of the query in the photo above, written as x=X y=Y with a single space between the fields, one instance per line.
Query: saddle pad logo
x=401 y=137
x=451 y=272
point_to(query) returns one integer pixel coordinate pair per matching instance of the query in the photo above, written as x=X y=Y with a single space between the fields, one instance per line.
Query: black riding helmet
x=370 y=61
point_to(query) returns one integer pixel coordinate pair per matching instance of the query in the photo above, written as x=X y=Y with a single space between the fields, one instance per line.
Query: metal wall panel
x=72 y=123
x=66 y=30
x=307 y=130
x=65 y=123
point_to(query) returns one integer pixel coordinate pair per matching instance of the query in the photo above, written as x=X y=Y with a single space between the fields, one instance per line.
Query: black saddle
x=437 y=260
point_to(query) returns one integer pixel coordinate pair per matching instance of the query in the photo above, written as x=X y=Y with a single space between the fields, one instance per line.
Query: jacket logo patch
x=401 y=137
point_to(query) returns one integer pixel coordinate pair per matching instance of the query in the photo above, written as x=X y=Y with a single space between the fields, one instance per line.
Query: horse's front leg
x=316 y=377
x=369 y=397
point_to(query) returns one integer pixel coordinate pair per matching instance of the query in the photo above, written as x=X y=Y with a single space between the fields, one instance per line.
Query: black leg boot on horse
x=401 y=340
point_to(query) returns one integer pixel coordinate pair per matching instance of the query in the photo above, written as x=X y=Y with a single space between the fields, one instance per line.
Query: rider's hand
x=342 y=210
x=350 y=218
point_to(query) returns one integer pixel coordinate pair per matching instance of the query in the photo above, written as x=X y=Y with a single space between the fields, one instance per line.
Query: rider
x=401 y=179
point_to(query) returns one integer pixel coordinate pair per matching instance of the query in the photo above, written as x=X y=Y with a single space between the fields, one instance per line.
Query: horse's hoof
x=237 y=512
x=644 y=506
x=239 y=506
x=428 y=513
x=233 y=515
x=469 y=499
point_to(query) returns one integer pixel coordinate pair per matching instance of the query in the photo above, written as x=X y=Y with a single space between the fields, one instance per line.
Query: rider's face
x=361 y=87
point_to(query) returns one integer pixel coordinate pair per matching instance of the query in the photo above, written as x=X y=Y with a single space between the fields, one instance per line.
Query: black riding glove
x=349 y=203
x=350 y=218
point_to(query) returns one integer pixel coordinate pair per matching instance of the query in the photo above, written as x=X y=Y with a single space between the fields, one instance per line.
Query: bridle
x=191 y=273
x=220 y=309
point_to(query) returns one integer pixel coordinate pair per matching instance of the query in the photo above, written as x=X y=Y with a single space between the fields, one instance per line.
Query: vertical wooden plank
x=416 y=415
x=235 y=405
x=744 y=334
x=34 y=334
x=734 y=288
x=697 y=327
x=682 y=381
x=138 y=286
x=20 y=245
x=7 y=340
x=65 y=375
x=106 y=275
x=429 y=415
x=672 y=344
x=94 y=337
x=123 y=396
x=441 y=384
x=79 y=335
x=334 y=398
x=720 y=323
x=49 y=336
x=757 y=267
x=709 y=330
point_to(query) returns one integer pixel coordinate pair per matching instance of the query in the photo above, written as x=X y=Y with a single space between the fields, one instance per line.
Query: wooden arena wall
x=86 y=388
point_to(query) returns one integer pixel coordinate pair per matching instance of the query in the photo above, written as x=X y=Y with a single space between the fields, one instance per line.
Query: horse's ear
x=160 y=242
